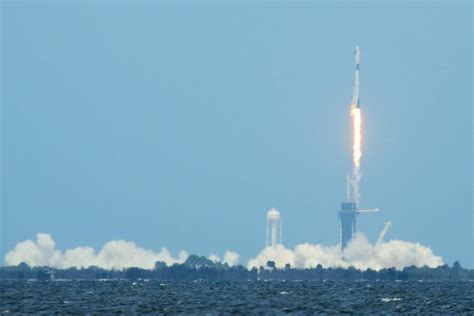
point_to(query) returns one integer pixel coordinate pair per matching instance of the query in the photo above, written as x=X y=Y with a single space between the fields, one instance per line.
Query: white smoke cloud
x=279 y=254
x=115 y=254
x=119 y=254
x=231 y=258
x=214 y=258
x=359 y=254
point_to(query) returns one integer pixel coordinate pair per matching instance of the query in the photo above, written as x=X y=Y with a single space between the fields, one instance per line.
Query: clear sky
x=181 y=124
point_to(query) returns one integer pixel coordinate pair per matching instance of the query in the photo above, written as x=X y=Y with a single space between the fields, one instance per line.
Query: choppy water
x=200 y=297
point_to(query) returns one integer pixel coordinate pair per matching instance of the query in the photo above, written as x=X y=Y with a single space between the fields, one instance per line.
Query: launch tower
x=347 y=214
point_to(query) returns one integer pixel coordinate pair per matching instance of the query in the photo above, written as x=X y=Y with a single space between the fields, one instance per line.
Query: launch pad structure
x=348 y=216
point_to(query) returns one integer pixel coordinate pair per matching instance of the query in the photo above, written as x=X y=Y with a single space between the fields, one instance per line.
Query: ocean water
x=211 y=297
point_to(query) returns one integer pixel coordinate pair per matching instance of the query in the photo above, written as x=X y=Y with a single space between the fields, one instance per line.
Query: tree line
x=195 y=268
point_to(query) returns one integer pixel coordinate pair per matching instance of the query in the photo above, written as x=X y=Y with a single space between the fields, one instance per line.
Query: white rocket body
x=355 y=99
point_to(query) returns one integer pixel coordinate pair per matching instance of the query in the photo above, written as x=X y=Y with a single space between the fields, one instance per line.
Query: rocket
x=356 y=85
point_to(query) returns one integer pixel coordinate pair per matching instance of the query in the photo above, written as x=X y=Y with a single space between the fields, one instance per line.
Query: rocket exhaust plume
x=356 y=133
x=356 y=152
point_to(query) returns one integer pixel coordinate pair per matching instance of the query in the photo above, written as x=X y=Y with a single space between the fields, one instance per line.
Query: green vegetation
x=196 y=267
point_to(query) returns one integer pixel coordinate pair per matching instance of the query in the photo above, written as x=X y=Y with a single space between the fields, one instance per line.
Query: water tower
x=273 y=228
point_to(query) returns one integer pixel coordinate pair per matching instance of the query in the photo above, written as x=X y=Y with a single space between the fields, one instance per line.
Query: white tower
x=273 y=228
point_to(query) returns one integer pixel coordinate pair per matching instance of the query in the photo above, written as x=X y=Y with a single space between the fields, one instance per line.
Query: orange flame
x=357 y=126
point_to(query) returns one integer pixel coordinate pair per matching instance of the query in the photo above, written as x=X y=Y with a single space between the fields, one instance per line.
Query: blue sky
x=181 y=124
